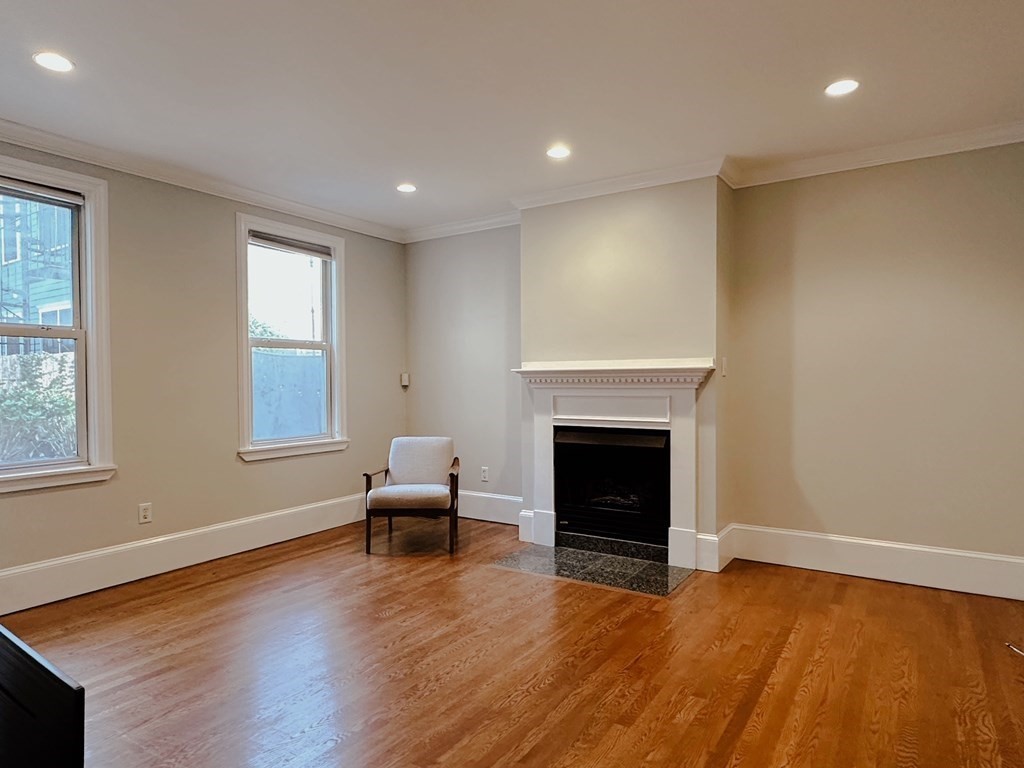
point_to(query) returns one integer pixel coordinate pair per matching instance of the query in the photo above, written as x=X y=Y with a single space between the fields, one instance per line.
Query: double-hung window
x=291 y=363
x=54 y=373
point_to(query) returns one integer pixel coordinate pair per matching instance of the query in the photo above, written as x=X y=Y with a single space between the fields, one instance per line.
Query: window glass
x=38 y=401
x=286 y=294
x=36 y=258
x=289 y=393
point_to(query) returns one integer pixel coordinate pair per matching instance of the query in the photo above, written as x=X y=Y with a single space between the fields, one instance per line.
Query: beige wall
x=626 y=276
x=463 y=330
x=872 y=322
x=877 y=354
x=623 y=276
x=175 y=383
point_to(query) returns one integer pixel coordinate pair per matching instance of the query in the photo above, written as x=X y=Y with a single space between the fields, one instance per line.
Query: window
x=61 y=313
x=290 y=363
x=54 y=375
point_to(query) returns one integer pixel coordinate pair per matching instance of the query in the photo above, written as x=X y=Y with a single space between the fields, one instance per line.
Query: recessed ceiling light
x=842 y=87
x=406 y=187
x=54 y=61
x=559 y=152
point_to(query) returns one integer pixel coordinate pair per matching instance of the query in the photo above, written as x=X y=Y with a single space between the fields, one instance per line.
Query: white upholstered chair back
x=420 y=460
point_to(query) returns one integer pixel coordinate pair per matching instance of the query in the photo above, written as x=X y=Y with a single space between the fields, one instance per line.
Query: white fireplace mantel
x=653 y=394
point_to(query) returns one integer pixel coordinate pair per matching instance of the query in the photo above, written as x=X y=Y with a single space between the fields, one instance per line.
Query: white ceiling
x=331 y=103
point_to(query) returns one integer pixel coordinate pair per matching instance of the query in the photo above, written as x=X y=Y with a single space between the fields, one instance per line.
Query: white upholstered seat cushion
x=409 y=496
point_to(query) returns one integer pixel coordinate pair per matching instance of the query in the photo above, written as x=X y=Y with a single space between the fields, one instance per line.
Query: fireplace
x=640 y=397
x=612 y=483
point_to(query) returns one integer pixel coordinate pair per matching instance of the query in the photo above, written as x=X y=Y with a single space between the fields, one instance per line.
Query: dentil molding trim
x=686 y=372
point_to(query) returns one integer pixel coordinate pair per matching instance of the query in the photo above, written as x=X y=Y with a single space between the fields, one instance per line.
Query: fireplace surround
x=645 y=396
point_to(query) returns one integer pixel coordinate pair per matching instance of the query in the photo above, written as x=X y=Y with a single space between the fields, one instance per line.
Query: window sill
x=53 y=477
x=281 y=450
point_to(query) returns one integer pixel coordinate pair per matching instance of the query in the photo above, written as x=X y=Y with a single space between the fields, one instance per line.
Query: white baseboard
x=682 y=547
x=492 y=507
x=687 y=548
x=954 y=569
x=708 y=553
x=526 y=525
x=544 y=527
x=726 y=554
x=25 y=586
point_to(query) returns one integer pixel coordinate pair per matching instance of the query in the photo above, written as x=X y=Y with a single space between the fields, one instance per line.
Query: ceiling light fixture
x=842 y=87
x=559 y=152
x=53 y=61
x=406 y=187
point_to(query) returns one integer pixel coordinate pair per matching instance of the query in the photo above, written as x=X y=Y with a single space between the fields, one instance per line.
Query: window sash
x=81 y=427
x=326 y=346
x=328 y=392
x=76 y=332
x=42 y=331
x=77 y=296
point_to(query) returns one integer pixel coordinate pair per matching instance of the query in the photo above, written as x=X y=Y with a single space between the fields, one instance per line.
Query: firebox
x=612 y=483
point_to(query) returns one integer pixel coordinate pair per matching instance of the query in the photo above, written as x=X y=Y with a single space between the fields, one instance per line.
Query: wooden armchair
x=420 y=480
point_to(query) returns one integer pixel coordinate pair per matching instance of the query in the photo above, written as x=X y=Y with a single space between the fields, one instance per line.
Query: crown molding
x=730 y=172
x=727 y=168
x=434 y=231
x=933 y=146
x=34 y=138
x=633 y=181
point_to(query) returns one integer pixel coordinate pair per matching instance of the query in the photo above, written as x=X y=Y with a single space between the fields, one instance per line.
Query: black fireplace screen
x=613 y=483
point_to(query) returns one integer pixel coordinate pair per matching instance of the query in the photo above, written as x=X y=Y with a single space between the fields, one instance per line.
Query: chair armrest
x=369 y=478
x=453 y=482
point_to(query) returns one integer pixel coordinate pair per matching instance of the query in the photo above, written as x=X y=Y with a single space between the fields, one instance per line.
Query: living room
x=817 y=298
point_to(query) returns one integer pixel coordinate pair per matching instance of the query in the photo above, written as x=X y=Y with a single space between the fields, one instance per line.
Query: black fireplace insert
x=613 y=483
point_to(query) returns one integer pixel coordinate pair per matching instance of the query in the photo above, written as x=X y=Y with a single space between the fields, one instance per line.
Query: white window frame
x=334 y=322
x=94 y=339
x=57 y=306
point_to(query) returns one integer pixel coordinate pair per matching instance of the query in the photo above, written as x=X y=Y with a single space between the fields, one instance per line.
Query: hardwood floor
x=310 y=653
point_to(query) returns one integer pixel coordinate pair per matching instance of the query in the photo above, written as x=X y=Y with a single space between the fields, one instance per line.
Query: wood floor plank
x=311 y=653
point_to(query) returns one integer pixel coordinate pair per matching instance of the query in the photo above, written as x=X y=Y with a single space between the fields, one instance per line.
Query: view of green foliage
x=37 y=409
x=260 y=330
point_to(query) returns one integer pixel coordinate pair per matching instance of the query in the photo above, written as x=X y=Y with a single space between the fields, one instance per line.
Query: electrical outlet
x=483 y=474
x=145 y=513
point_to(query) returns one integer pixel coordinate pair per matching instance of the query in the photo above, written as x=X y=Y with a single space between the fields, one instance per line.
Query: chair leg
x=391 y=524
x=368 y=532
x=453 y=531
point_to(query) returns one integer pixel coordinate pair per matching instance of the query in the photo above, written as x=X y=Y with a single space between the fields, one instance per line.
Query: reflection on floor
x=596 y=568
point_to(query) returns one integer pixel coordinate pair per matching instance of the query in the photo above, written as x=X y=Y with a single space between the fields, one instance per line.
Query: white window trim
x=337 y=439
x=56 y=306
x=95 y=319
